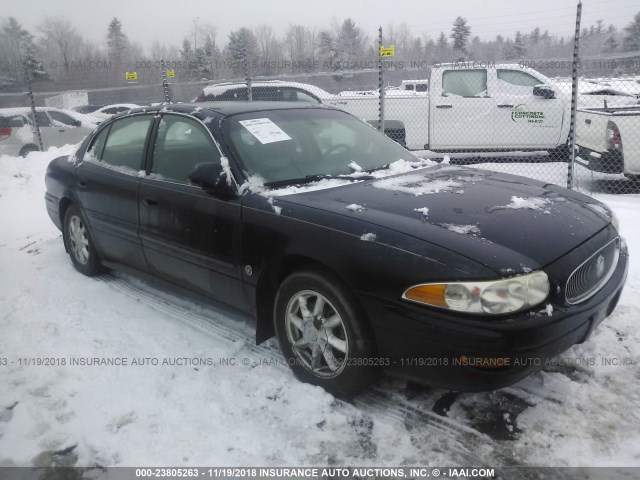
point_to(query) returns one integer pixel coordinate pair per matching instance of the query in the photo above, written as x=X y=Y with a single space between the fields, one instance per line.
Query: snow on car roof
x=220 y=88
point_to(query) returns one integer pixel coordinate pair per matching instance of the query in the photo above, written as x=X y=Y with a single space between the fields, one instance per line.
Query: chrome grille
x=593 y=273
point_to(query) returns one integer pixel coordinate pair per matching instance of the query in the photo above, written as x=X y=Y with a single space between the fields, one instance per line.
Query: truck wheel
x=561 y=154
x=78 y=240
x=323 y=333
x=633 y=178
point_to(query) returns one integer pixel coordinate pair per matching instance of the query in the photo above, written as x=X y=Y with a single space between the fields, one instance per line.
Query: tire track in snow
x=466 y=445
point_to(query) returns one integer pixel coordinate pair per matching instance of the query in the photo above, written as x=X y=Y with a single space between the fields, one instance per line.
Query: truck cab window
x=520 y=79
x=465 y=83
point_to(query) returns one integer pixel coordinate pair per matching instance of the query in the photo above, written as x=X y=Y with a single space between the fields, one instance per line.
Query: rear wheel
x=27 y=149
x=80 y=245
x=323 y=333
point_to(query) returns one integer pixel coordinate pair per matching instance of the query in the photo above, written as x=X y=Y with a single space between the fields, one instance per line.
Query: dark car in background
x=355 y=254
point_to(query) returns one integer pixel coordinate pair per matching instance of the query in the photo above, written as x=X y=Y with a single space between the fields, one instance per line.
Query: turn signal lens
x=429 y=294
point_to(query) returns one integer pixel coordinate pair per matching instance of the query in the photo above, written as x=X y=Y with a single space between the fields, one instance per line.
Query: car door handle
x=81 y=183
x=150 y=201
x=504 y=105
x=444 y=105
x=62 y=130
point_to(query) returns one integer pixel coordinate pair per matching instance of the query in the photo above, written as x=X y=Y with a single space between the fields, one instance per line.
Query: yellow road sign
x=131 y=76
x=387 y=52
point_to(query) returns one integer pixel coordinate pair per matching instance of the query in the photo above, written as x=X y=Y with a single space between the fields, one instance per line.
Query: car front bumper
x=450 y=351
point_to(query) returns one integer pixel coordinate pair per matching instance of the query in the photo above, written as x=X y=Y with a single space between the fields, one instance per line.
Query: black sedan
x=357 y=255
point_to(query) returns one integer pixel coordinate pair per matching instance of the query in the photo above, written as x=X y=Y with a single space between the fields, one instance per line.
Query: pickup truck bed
x=608 y=140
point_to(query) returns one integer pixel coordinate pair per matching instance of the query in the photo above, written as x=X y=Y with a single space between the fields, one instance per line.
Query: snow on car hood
x=507 y=223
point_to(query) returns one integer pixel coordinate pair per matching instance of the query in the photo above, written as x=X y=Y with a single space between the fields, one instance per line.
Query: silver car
x=57 y=128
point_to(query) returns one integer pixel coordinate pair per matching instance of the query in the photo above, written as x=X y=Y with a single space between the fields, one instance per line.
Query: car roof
x=226 y=109
x=220 y=88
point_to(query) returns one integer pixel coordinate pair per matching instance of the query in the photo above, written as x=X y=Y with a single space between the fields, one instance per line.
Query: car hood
x=508 y=223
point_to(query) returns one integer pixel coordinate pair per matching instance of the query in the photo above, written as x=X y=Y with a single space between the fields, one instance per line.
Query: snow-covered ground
x=585 y=410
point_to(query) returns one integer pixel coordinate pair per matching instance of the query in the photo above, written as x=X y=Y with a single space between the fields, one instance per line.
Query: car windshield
x=289 y=146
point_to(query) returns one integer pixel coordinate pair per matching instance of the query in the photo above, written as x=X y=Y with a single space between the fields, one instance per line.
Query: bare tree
x=264 y=35
x=59 y=32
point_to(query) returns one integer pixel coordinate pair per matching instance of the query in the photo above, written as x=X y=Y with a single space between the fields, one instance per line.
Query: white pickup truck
x=500 y=108
x=608 y=139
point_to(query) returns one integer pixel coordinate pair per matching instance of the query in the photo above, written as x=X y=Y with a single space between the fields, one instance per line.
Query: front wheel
x=323 y=333
x=79 y=243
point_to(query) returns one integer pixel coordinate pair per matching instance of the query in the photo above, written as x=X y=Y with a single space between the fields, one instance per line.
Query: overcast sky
x=169 y=21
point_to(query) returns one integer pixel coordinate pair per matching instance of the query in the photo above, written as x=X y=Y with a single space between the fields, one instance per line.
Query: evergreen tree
x=519 y=47
x=545 y=39
x=442 y=41
x=534 y=38
x=188 y=57
x=460 y=34
x=117 y=41
x=631 y=42
x=508 y=50
x=327 y=45
x=442 y=48
x=349 y=42
x=242 y=42
x=23 y=48
x=610 y=45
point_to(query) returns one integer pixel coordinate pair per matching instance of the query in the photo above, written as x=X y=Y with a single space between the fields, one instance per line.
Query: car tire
x=323 y=333
x=79 y=243
x=27 y=149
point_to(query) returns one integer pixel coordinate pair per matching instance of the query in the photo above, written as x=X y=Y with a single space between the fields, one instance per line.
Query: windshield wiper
x=317 y=178
x=297 y=181
x=377 y=169
x=356 y=176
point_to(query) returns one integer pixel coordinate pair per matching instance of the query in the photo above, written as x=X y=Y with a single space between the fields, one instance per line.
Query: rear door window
x=267 y=94
x=233 y=95
x=520 y=79
x=62 y=118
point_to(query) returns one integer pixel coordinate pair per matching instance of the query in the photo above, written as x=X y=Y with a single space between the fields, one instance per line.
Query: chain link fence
x=572 y=120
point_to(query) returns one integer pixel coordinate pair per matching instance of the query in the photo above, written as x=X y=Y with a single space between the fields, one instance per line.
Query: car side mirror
x=212 y=178
x=544 y=91
x=77 y=123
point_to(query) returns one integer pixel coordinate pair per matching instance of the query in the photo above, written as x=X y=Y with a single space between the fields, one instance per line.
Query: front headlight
x=494 y=297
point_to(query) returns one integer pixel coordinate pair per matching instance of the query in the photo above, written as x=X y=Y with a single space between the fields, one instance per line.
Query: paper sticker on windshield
x=265 y=130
